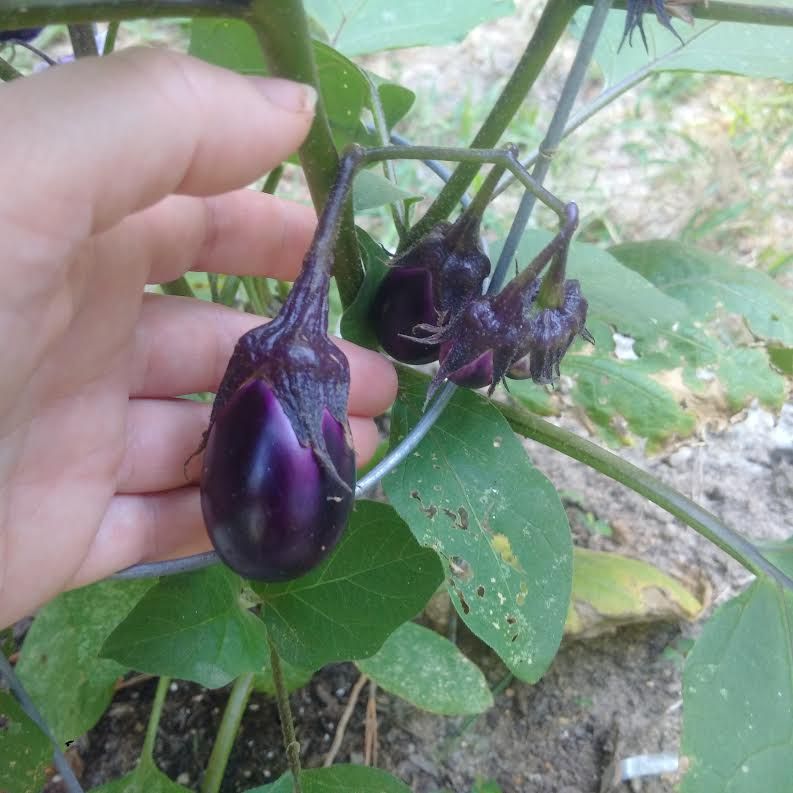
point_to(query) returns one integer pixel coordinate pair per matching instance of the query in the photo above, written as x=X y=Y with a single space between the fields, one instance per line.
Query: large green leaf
x=470 y=493
x=377 y=578
x=338 y=779
x=428 y=671
x=706 y=282
x=25 y=752
x=726 y=47
x=191 y=626
x=60 y=665
x=357 y=28
x=371 y=189
x=738 y=696
x=146 y=778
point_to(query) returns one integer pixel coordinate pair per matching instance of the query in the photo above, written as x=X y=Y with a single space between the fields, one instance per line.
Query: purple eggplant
x=433 y=281
x=23 y=34
x=278 y=476
x=523 y=331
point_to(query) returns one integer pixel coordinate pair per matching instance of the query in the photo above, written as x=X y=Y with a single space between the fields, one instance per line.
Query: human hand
x=119 y=172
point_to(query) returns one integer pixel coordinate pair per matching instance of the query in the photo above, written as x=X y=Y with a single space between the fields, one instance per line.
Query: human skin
x=120 y=172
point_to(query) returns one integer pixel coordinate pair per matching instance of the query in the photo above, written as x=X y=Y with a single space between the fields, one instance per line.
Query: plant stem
x=292 y=56
x=398 y=208
x=110 y=37
x=732 y=12
x=291 y=745
x=552 y=23
x=36 y=13
x=83 y=40
x=227 y=733
x=8 y=72
x=555 y=131
x=273 y=178
x=147 y=752
x=179 y=287
x=690 y=513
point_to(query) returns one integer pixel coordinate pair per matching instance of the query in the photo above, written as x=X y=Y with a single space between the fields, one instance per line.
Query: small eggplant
x=278 y=476
x=524 y=331
x=433 y=281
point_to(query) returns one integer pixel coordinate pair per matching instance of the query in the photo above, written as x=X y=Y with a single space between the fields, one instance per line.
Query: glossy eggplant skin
x=272 y=509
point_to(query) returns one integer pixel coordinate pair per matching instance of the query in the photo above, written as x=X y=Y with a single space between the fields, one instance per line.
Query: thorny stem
x=474 y=211
x=555 y=130
x=686 y=510
x=227 y=732
x=292 y=56
x=555 y=18
x=731 y=12
x=147 y=752
x=285 y=714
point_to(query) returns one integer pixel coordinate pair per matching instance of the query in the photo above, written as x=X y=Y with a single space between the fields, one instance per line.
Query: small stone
x=183 y=778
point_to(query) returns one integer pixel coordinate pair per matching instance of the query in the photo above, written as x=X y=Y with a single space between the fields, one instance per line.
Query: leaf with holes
x=377 y=578
x=338 y=779
x=470 y=493
x=25 y=752
x=738 y=696
x=193 y=626
x=428 y=671
x=59 y=664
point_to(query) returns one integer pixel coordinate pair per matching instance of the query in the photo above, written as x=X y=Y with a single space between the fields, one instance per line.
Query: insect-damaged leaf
x=470 y=493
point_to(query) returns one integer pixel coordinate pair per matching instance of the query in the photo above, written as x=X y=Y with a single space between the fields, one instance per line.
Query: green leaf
x=706 y=282
x=614 y=392
x=358 y=28
x=234 y=45
x=377 y=578
x=25 y=752
x=146 y=778
x=191 y=626
x=396 y=100
x=428 y=671
x=782 y=358
x=738 y=696
x=372 y=190
x=60 y=665
x=356 y=325
x=470 y=493
x=724 y=47
x=610 y=590
x=338 y=779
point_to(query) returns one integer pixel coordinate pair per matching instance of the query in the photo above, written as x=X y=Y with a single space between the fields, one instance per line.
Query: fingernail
x=291 y=96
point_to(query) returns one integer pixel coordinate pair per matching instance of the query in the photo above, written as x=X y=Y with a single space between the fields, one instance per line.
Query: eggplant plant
x=311 y=567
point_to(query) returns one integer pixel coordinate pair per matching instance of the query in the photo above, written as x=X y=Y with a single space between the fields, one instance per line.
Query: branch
x=732 y=12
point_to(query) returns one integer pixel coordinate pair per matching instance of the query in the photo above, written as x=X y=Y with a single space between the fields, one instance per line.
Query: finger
x=163 y=433
x=244 y=232
x=152 y=527
x=182 y=346
x=105 y=137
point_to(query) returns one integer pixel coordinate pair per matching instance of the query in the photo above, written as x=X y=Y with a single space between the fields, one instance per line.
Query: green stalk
x=110 y=37
x=36 y=13
x=227 y=733
x=147 y=752
x=551 y=294
x=282 y=29
x=179 y=287
x=555 y=17
x=686 y=510
x=83 y=40
x=285 y=714
x=7 y=71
